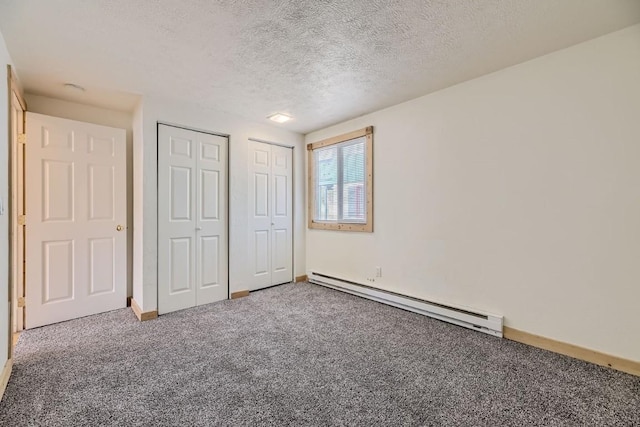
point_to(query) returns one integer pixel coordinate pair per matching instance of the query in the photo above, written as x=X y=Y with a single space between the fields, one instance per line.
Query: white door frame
x=227 y=189
x=293 y=200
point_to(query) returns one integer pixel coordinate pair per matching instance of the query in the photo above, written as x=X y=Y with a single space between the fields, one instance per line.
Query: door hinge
x=21 y=302
x=22 y=220
x=22 y=138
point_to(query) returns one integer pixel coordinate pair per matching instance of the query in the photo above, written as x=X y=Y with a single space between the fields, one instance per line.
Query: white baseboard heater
x=478 y=321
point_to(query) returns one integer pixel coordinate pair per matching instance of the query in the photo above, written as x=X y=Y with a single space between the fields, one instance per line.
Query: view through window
x=341 y=179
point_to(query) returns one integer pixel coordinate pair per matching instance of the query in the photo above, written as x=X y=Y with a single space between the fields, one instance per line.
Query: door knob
x=198 y=228
x=119 y=227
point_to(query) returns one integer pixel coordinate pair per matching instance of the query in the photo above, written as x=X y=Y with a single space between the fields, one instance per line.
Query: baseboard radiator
x=478 y=321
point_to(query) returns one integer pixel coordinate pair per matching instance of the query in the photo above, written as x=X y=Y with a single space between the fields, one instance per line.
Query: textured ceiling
x=320 y=61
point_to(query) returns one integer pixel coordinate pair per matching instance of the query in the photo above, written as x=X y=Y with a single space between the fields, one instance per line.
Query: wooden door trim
x=14 y=87
x=5 y=375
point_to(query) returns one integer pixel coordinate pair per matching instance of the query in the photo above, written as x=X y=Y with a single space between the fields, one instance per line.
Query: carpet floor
x=300 y=355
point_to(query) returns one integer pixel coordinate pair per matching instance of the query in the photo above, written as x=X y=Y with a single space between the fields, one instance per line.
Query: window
x=341 y=182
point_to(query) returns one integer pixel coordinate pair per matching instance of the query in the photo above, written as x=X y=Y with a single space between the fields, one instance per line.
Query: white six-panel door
x=192 y=218
x=270 y=215
x=76 y=244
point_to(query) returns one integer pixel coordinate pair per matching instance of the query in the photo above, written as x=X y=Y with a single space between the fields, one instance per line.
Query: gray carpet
x=300 y=355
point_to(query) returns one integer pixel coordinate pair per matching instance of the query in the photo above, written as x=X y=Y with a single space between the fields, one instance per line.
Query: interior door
x=270 y=215
x=76 y=248
x=211 y=227
x=281 y=215
x=192 y=218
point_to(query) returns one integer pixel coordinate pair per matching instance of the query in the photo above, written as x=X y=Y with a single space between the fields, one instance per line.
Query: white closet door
x=76 y=240
x=270 y=215
x=281 y=215
x=192 y=218
x=211 y=228
x=259 y=215
x=176 y=218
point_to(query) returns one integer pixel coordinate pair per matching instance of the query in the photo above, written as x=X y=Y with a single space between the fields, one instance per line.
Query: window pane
x=353 y=175
x=326 y=162
x=342 y=182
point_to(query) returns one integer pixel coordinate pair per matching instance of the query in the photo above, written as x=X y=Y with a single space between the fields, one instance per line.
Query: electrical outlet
x=378 y=271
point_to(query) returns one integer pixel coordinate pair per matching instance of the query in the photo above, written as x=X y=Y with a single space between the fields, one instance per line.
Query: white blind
x=340 y=182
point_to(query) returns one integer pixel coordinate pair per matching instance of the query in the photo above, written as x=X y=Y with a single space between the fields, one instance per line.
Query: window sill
x=341 y=226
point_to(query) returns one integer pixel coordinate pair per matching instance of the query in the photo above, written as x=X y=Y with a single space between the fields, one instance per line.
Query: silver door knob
x=198 y=228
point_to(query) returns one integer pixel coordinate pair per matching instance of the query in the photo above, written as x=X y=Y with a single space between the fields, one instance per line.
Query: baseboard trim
x=588 y=355
x=239 y=294
x=16 y=336
x=142 y=315
x=302 y=278
x=4 y=377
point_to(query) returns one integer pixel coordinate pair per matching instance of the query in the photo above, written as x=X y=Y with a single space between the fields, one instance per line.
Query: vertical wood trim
x=588 y=355
x=10 y=225
x=311 y=194
x=13 y=87
x=369 y=165
x=5 y=375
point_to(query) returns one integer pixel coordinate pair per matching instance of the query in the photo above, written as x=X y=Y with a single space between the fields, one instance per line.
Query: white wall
x=4 y=195
x=517 y=193
x=104 y=117
x=145 y=165
x=138 y=206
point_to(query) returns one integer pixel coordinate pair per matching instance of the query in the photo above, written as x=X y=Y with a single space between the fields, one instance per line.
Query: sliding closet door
x=192 y=218
x=270 y=215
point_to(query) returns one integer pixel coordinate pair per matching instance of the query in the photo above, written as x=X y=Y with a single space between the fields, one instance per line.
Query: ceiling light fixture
x=75 y=87
x=279 y=118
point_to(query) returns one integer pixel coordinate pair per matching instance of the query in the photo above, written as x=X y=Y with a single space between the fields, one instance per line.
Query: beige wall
x=517 y=193
x=99 y=116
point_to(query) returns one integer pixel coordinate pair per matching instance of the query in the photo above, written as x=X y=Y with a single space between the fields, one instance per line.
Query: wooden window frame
x=336 y=225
